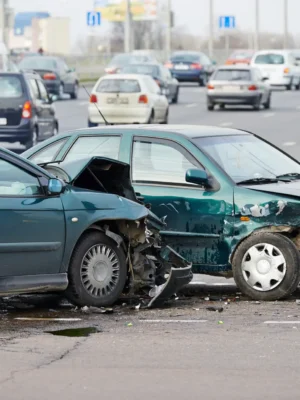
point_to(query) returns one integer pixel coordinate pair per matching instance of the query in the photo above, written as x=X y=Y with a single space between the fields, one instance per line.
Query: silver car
x=238 y=85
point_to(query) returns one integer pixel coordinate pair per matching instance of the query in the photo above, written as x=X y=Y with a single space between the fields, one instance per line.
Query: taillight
x=93 y=99
x=286 y=70
x=209 y=86
x=143 y=99
x=49 y=77
x=27 y=110
x=169 y=65
x=252 y=87
x=196 y=66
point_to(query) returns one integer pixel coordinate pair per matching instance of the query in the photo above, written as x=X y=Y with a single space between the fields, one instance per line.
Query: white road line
x=269 y=115
x=289 y=143
x=282 y=322
x=226 y=124
x=183 y=321
x=191 y=105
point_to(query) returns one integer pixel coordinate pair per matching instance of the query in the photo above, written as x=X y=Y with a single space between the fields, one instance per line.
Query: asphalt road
x=246 y=351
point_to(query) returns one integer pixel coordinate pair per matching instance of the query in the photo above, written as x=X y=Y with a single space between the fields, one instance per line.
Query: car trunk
x=46 y=72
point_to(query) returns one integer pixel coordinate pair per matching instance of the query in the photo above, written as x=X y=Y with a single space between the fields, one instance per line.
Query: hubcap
x=263 y=267
x=100 y=270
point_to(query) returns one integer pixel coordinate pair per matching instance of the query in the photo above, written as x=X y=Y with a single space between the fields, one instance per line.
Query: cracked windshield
x=149 y=199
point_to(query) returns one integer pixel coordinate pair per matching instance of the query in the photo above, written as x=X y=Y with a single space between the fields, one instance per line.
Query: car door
x=195 y=217
x=48 y=111
x=40 y=117
x=32 y=234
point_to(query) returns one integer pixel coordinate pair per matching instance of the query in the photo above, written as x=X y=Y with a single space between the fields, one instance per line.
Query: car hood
x=291 y=189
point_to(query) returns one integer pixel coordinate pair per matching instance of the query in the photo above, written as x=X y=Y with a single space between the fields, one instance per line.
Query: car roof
x=123 y=76
x=272 y=51
x=242 y=66
x=189 y=131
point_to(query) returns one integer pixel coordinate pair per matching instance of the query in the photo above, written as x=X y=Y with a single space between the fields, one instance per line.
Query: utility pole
x=211 y=29
x=128 y=39
x=286 y=22
x=169 y=29
x=256 y=37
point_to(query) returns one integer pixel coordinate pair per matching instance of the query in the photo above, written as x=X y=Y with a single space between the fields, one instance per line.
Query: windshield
x=118 y=86
x=269 y=59
x=232 y=75
x=185 y=58
x=245 y=157
x=143 y=69
x=124 y=59
x=38 y=63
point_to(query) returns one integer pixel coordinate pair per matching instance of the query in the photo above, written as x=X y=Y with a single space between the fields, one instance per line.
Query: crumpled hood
x=291 y=189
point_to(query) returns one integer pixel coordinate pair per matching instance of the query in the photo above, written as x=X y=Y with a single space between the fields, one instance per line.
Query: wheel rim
x=263 y=267
x=100 y=270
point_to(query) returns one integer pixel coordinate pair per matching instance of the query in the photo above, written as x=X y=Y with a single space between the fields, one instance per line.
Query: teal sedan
x=78 y=228
x=231 y=200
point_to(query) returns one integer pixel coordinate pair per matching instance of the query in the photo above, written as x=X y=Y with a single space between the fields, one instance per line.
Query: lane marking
x=282 y=322
x=183 y=321
x=269 y=115
x=191 y=105
x=226 y=124
x=289 y=144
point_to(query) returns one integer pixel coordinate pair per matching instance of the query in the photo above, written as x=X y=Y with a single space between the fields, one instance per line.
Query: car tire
x=33 y=140
x=248 y=273
x=289 y=87
x=267 y=104
x=97 y=271
x=166 y=120
x=210 y=106
x=74 y=94
x=256 y=105
x=55 y=129
x=175 y=98
x=222 y=106
x=91 y=124
x=151 y=118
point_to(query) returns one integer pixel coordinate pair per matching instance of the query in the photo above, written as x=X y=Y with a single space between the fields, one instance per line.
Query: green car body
x=205 y=223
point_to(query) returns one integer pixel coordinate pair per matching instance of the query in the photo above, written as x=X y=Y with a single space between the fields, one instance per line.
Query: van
x=279 y=67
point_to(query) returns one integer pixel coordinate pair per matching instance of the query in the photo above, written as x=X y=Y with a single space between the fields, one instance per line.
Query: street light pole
x=169 y=29
x=286 y=32
x=211 y=29
x=128 y=28
x=256 y=41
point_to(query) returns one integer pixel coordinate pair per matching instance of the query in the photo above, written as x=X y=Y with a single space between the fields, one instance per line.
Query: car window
x=48 y=153
x=190 y=58
x=10 y=86
x=273 y=59
x=43 y=91
x=102 y=146
x=142 y=69
x=33 y=86
x=39 y=62
x=15 y=181
x=118 y=86
x=232 y=75
x=163 y=162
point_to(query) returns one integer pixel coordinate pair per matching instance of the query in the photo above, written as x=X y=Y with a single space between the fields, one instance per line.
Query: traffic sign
x=93 y=18
x=226 y=22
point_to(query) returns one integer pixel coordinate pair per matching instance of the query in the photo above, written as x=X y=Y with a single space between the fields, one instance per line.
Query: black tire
x=297 y=87
x=222 y=106
x=291 y=257
x=33 y=140
x=175 y=98
x=210 y=107
x=77 y=292
x=289 y=87
x=74 y=94
x=151 y=118
x=91 y=124
x=256 y=105
x=267 y=104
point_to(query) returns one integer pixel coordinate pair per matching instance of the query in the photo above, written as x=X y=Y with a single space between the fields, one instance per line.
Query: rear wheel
x=91 y=124
x=267 y=104
x=55 y=129
x=210 y=106
x=175 y=98
x=33 y=140
x=97 y=271
x=74 y=94
x=61 y=91
x=151 y=118
x=289 y=87
x=256 y=105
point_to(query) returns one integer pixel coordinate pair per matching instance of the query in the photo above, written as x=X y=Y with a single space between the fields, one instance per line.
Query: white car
x=279 y=66
x=127 y=99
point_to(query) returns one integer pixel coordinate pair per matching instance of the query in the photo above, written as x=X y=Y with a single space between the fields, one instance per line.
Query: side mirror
x=197 y=176
x=55 y=186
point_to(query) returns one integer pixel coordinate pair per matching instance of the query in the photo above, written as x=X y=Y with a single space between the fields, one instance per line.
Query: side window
x=34 y=88
x=160 y=162
x=49 y=153
x=103 y=146
x=43 y=91
x=15 y=181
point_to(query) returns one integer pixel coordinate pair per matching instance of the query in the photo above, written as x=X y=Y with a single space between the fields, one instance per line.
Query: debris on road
x=216 y=309
x=48 y=319
x=220 y=322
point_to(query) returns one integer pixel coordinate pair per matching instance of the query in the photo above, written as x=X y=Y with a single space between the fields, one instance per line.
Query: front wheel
x=97 y=271
x=267 y=104
x=74 y=94
x=175 y=98
x=266 y=266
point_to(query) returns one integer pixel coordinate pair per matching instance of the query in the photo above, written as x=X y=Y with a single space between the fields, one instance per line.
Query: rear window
x=232 y=75
x=124 y=59
x=269 y=59
x=141 y=69
x=38 y=63
x=118 y=86
x=10 y=87
x=185 y=58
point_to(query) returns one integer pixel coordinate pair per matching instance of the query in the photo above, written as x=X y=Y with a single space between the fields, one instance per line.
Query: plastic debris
x=196 y=309
x=84 y=309
x=206 y=298
x=137 y=307
x=220 y=322
x=129 y=324
x=255 y=302
x=216 y=309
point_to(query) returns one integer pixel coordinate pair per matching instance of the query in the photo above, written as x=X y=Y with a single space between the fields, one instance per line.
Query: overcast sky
x=192 y=14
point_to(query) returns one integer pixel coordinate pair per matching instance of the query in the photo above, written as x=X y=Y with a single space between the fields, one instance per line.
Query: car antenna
x=96 y=105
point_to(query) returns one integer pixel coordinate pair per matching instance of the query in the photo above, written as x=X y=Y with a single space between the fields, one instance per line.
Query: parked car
x=238 y=85
x=121 y=60
x=240 y=57
x=279 y=66
x=231 y=200
x=161 y=75
x=27 y=114
x=127 y=99
x=78 y=228
x=57 y=76
x=191 y=66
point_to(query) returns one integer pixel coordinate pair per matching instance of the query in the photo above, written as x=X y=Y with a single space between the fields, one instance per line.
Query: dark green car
x=78 y=227
x=231 y=200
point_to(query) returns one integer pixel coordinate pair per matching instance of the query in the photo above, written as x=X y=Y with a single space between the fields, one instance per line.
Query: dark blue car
x=191 y=66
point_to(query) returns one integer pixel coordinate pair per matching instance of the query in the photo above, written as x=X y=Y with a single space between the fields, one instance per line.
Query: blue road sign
x=227 y=22
x=93 y=18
